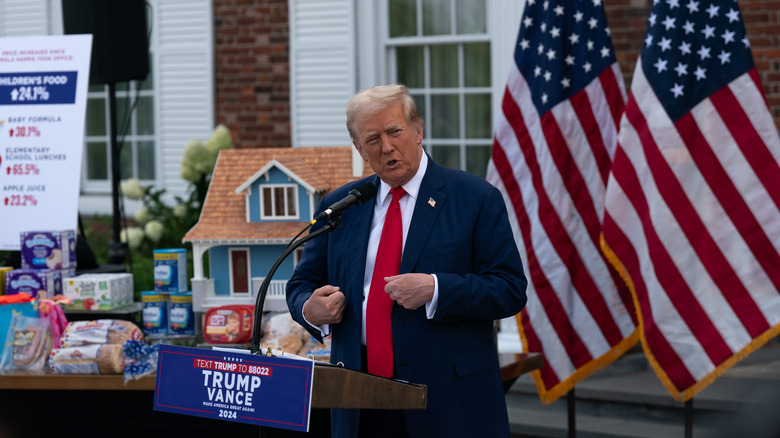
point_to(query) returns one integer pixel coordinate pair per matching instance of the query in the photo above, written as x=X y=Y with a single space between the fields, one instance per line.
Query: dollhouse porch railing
x=204 y=295
x=275 y=298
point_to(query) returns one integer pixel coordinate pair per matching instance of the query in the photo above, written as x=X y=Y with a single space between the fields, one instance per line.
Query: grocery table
x=34 y=403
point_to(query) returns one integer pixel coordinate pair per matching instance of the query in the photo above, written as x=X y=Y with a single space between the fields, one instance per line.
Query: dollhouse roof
x=223 y=216
x=292 y=167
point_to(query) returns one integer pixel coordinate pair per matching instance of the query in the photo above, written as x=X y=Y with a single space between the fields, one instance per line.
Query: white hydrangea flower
x=154 y=230
x=132 y=236
x=141 y=215
x=180 y=210
x=132 y=189
x=220 y=139
x=196 y=161
x=188 y=174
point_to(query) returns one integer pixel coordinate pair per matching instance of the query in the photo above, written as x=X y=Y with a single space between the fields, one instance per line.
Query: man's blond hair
x=371 y=101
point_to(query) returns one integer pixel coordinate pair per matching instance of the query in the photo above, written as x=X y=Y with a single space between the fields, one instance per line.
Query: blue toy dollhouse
x=258 y=200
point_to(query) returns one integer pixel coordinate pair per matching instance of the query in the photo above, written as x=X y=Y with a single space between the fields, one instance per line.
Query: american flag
x=692 y=214
x=552 y=152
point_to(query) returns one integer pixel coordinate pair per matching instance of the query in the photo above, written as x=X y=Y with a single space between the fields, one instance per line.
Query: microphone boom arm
x=257 y=330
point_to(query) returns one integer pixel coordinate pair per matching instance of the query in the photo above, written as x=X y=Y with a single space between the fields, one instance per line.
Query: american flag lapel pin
x=431 y=202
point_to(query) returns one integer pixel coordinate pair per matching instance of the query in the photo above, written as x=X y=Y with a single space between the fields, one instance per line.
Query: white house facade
x=337 y=47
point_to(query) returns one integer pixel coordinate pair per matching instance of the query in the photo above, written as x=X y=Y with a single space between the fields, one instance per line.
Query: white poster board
x=43 y=101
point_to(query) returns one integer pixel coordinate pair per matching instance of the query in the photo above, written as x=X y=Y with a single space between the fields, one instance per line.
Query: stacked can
x=155 y=313
x=181 y=319
x=168 y=308
x=170 y=270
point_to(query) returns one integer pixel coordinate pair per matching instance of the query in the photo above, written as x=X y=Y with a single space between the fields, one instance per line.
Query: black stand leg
x=689 y=418
x=117 y=252
x=571 y=400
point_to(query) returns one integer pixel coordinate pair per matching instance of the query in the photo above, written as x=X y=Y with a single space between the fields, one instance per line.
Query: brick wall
x=252 y=70
x=252 y=74
x=628 y=21
x=762 y=20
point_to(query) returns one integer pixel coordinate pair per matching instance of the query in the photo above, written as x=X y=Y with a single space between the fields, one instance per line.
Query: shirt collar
x=412 y=187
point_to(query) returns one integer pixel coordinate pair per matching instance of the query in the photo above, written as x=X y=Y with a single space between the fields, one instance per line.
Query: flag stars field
x=705 y=42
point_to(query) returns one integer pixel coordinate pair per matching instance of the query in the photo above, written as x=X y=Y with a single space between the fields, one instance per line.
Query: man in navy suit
x=460 y=270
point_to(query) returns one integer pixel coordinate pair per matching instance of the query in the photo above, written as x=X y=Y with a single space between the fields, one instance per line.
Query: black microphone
x=356 y=196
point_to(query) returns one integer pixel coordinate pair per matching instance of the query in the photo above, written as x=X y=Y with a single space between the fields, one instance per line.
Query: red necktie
x=379 y=332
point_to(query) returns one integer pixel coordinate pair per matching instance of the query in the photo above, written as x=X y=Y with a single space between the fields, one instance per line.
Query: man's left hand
x=410 y=290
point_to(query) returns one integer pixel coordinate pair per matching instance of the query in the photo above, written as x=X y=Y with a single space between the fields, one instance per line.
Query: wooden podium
x=340 y=388
x=337 y=387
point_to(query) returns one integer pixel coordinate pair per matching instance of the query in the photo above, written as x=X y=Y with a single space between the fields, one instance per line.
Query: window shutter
x=185 y=82
x=24 y=18
x=322 y=71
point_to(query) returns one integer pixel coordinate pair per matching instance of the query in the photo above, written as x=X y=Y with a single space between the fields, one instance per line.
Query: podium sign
x=225 y=385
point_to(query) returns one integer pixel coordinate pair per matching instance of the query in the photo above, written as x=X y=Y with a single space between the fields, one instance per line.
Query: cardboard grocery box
x=32 y=281
x=48 y=249
x=99 y=291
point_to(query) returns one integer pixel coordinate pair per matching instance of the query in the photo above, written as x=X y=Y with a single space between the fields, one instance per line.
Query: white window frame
x=272 y=215
x=389 y=46
x=130 y=137
x=503 y=22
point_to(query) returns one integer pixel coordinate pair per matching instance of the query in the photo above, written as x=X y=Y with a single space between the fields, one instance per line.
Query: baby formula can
x=170 y=270
x=181 y=319
x=155 y=313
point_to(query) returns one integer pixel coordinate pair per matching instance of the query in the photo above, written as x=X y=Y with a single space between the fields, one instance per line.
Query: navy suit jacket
x=460 y=232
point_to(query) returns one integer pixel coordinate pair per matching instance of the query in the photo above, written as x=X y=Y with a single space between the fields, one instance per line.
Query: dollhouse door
x=239 y=270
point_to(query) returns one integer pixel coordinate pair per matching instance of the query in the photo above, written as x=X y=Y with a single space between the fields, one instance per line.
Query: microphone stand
x=257 y=330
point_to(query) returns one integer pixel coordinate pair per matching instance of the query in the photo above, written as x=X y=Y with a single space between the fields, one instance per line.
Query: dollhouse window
x=279 y=202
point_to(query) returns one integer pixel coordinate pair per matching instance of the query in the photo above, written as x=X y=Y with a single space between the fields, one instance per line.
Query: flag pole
x=689 y=418
x=571 y=400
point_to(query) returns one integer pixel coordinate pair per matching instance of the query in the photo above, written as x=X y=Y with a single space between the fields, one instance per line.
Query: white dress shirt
x=381 y=205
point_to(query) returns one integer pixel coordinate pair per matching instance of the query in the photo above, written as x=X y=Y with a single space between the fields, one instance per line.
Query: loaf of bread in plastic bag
x=88 y=359
x=100 y=331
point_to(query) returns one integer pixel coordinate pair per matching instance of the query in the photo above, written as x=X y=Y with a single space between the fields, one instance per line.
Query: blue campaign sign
x=262 y=390
x=35 y=88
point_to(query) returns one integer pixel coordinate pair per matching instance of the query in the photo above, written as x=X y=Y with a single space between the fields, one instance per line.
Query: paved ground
x=628 y=400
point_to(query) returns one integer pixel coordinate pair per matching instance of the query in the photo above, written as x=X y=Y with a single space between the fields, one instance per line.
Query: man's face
x=391 y=145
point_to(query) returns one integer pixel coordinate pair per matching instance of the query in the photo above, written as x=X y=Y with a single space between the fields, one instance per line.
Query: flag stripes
x=553 y=170
x=692 y=222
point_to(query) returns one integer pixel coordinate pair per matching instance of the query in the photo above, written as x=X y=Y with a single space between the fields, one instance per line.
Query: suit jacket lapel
x=427 y=207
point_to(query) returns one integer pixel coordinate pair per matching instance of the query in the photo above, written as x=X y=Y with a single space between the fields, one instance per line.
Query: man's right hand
x=325 y=306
